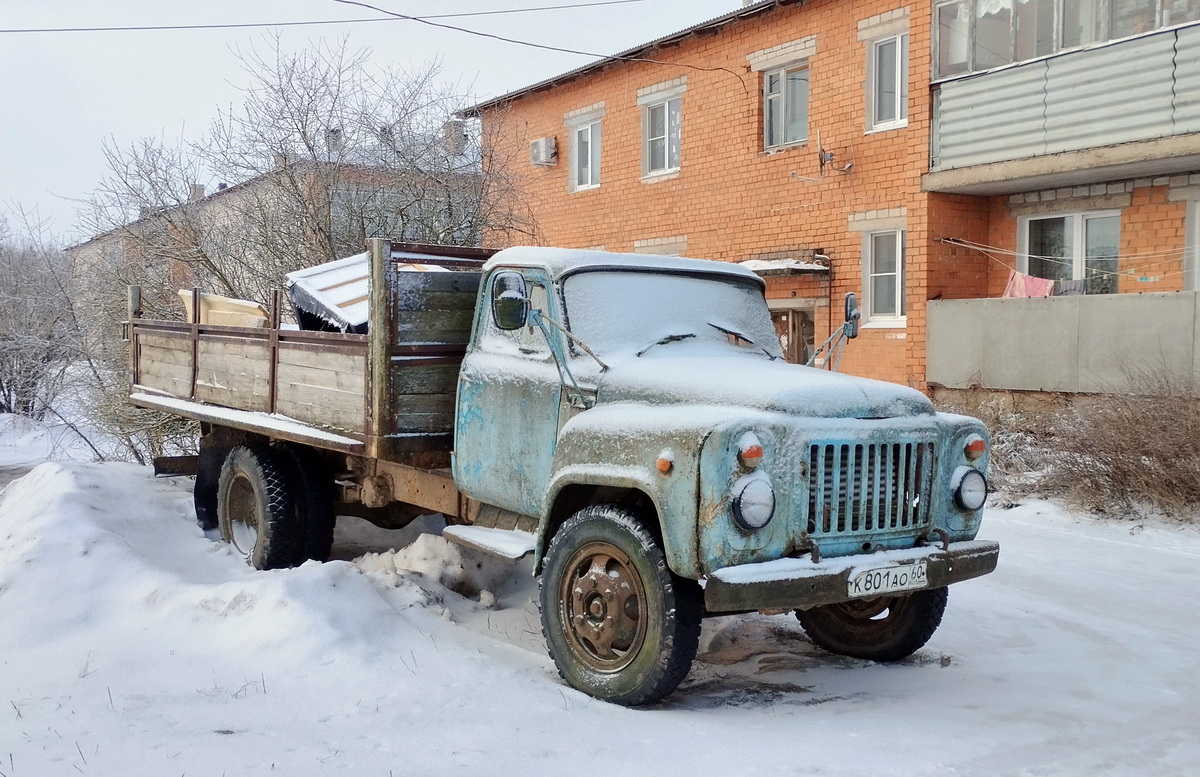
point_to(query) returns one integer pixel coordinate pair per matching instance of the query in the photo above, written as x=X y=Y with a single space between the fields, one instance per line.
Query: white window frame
x=672 y=109
x=900 y=106
x=1079 y=219
x=595 y=145
x=669 y=97
x=1191 y=255
x=781 y=99
x=900 y=317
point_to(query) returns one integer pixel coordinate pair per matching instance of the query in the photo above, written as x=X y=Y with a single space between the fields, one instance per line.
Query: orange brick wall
x=733 y=201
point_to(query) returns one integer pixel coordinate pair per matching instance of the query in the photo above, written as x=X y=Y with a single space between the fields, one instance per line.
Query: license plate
x=888 y=580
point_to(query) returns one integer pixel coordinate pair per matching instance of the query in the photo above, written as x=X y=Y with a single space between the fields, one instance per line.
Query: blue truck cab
x=640 y=409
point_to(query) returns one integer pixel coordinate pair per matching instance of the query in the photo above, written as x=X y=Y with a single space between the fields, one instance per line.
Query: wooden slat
x=150 y=368
x=439 y=326
x=437 y=300
x=322 y=408
x=174 y=386
x=352 y=382
x=323 y=360
x=416 y=378
x=180 y=356
x=165 y=341
x=411 y=285
x=238 y=399
x=231 y=348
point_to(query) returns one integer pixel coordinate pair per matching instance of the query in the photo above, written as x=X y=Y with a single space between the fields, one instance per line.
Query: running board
x=503 y=543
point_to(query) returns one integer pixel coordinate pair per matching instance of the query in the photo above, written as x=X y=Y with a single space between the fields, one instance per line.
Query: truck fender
x=613 y=481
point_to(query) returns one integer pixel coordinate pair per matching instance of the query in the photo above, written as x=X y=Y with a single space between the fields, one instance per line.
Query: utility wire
x=388 y=18
x=545 y=47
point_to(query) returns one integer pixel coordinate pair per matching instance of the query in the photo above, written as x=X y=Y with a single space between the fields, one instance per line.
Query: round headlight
x=971 y=490
x=753 y=502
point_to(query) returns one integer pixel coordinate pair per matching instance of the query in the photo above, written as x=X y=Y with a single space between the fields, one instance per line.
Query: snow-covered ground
x=133 y=644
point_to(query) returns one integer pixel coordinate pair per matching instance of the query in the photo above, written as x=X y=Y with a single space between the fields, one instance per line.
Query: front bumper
x=798 y=583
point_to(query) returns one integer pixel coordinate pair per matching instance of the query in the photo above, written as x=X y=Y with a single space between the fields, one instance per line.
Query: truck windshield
x=624 y=312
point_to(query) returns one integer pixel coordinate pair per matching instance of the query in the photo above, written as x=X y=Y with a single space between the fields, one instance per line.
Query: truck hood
x=755 y=382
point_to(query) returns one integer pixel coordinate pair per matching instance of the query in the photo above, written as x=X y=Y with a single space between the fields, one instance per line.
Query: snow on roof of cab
x=564 y=261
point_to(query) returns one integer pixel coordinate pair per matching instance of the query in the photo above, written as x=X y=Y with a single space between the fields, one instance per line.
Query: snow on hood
x=751 y=380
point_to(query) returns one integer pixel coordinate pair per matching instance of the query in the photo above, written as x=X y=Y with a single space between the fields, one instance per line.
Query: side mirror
x=853 y=316
x=510 y=301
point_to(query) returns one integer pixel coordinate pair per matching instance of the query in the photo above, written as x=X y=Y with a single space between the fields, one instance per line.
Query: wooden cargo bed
x=388 y=394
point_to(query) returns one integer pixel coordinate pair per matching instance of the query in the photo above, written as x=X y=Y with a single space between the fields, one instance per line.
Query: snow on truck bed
x=132 y=643
x=339 y=291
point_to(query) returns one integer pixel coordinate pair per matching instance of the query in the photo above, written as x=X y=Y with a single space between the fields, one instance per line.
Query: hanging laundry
x=1069 y=288
x=1022 y=285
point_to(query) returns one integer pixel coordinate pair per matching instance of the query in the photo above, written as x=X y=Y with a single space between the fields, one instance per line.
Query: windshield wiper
x=741 y=337
x=664 y=341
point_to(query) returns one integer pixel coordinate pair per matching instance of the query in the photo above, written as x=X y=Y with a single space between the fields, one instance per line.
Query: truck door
x=508 y=402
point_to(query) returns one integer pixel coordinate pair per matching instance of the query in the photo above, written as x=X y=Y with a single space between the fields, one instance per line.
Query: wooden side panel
x=435 y=308
x=323 y=388
x=341 y=411
x=234 y=373
x=165 y=363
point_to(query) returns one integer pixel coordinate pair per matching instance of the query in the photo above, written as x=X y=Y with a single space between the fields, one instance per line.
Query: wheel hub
x=605 y=599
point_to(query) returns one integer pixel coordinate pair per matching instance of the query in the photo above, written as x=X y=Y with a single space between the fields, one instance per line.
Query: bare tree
x=36 y=335
x=326 y=150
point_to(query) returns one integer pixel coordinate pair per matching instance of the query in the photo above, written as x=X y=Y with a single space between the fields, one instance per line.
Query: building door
x=795 y=331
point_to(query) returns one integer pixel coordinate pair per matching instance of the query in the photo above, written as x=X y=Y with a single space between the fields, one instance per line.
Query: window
x=661 y=122
x=585 y=156
x=884 y=268
x=785 y=106
x=977 y=35
x=1072 y=247
x=889 y=82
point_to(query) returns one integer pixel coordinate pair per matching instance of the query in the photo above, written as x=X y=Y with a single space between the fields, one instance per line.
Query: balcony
x=1119 y=110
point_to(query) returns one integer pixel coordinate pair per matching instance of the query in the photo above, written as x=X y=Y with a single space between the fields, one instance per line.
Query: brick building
x=911 y=152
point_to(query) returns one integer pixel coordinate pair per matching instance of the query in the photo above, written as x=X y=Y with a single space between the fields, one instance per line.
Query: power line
x=389 y=18
x=531 y=44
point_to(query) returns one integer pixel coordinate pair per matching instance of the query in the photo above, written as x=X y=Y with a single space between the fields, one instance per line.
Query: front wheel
x=885 y=628
x=618 y=623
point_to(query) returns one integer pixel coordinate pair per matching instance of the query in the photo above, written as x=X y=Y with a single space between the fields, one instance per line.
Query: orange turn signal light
x=663 y=464
x=976 y=446
x=750 y=455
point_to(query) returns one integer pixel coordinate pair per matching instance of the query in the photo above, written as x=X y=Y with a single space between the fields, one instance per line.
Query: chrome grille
x=865 y=487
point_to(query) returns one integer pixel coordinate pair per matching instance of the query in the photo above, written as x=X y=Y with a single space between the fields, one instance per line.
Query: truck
x=628 y=419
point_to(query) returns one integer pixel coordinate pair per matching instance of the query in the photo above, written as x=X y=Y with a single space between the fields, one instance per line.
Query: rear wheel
x=254 y=508
x=618 y=623
x=886 y=628
x=312 y=498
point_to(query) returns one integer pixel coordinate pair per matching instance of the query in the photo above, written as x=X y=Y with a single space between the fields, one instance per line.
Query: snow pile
x=457 y=568
x=22 y=439
x=131 y=643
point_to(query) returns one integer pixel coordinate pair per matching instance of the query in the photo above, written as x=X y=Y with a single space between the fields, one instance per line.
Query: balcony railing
x=1091 y=343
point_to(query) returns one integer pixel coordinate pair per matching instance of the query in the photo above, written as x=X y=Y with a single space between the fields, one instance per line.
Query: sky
x=63 y=93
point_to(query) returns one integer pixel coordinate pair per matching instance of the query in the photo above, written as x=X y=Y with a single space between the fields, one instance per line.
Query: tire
x=254 y=508
x=886 y=628
x=208 y=475
x=633 y=654
x=312 y=496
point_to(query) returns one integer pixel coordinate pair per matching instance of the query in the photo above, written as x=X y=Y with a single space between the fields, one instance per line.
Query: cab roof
x=561 y=262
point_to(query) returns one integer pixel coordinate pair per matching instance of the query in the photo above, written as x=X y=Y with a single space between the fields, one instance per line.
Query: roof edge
x=742 y=13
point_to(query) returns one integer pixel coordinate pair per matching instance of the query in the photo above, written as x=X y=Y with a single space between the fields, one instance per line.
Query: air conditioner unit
x=543 y=152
